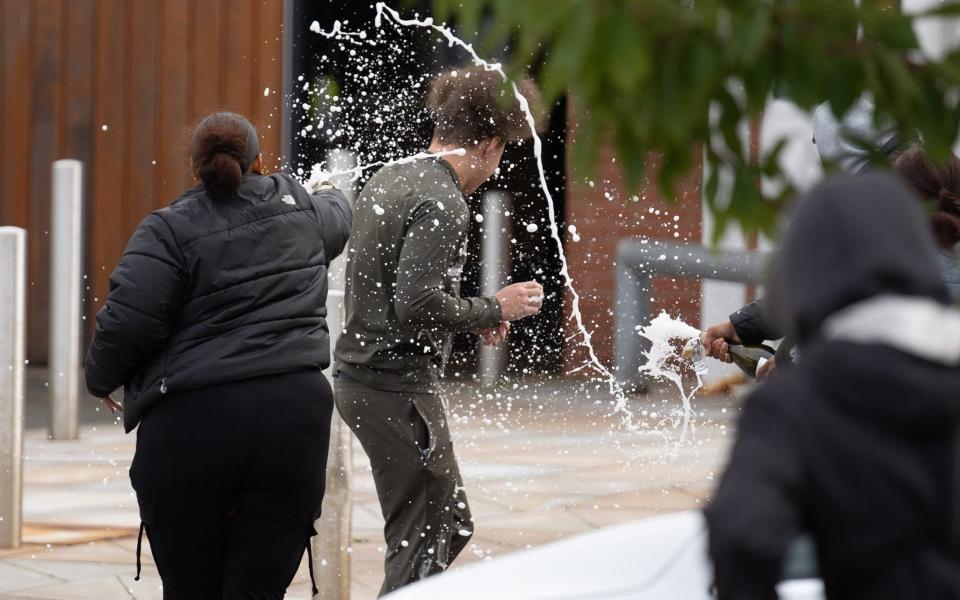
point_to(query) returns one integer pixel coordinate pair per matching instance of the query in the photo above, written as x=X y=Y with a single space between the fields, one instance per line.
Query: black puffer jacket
x=212 y=291
x=858 y=443
x=753 y=327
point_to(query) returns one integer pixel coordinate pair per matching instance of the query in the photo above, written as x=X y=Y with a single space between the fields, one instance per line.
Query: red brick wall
x=605 y=213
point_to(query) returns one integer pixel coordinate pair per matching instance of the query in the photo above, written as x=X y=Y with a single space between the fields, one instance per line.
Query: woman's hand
x=717 y=339
x=114 y=402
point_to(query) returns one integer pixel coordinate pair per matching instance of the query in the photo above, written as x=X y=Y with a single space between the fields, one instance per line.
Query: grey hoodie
x=950 y=265
x=842 y=141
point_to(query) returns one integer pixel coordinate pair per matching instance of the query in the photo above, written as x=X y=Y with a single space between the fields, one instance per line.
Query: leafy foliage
x=643 y=76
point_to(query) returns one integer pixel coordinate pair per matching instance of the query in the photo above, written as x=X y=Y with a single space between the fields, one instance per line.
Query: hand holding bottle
x=755 y=360
x=717 y=339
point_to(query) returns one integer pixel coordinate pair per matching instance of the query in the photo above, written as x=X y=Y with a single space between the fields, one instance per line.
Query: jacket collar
x=453 y=174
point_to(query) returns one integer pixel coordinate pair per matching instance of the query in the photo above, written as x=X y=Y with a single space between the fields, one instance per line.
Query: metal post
x=13 y=331
x=66 y=285
x=631 y=310
x=494 y=264
x=637 y=261
x=331 y=558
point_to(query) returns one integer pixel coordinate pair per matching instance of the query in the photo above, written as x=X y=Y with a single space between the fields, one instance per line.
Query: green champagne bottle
x=749 y=357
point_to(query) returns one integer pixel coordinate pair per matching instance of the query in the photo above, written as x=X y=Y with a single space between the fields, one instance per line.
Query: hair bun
x=223 y=147
x=221 y=175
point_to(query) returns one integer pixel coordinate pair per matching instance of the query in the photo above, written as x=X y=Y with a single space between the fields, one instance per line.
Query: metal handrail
x=638 y=261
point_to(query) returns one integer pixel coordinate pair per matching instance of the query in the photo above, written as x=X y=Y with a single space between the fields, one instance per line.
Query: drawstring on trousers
x=139 y=547
x=313 y=580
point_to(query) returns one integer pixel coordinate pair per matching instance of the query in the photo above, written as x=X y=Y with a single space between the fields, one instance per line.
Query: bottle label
x=760 y=362
x=698 y=356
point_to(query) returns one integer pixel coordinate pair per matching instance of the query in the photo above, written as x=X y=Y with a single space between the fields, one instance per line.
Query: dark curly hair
x=471 y=105
x=938 y=183
x=222 y=148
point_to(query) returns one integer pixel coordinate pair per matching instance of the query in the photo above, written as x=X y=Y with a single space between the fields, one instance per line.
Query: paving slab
x=540 y=462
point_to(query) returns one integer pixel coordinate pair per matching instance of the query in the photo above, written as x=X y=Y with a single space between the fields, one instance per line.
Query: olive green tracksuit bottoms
x=406 y=437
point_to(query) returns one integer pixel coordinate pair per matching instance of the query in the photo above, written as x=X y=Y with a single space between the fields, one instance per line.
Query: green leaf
x=892 y=31
x=643 y=74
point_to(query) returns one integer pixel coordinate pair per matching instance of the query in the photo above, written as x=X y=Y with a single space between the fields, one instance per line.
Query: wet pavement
x=541 y=460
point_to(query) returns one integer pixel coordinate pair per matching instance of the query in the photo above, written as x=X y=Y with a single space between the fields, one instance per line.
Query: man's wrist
x=497 y=309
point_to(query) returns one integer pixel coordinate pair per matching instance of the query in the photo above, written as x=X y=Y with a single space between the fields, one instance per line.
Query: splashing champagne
x=749 y=357
x=661 y=332
x=385 y=13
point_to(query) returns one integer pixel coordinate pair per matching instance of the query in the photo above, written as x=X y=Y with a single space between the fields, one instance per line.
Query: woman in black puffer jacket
x=215 y=326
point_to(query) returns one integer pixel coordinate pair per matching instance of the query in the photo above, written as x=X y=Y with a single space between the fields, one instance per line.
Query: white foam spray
x=585 y=341
x=664 y=332
x=354 y=37
x=318 y=175
x=660 y=331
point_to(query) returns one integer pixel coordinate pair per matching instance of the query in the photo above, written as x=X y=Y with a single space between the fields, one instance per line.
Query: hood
x=855 y=141
x=852 y=239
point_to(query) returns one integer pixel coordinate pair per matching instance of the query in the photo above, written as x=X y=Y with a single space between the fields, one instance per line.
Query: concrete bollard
x=331 y=555
x=13 y=331
x=66 y=289
x=495 y=264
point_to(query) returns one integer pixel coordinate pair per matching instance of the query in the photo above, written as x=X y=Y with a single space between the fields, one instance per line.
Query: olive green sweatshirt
x=407 y=249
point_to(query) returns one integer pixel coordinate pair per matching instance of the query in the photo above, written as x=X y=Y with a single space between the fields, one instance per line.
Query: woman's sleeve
x=754 y=513
x=336 y=218
x=753 y=324
x=136 y=319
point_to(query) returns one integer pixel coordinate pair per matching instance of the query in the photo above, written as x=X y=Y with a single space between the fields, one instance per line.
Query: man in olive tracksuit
x=402 y=305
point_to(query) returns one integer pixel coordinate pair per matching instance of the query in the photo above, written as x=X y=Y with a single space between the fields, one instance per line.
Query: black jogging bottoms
x=229 y=480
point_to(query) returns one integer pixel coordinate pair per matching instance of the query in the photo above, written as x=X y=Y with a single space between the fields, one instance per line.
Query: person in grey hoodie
x=854 y=144
x=937 y=185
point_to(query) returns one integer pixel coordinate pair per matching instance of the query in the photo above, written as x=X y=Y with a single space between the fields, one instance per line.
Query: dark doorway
x=378 y=91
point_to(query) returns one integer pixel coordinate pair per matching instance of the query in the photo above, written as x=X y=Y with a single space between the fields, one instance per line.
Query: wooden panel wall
x=117 y=85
